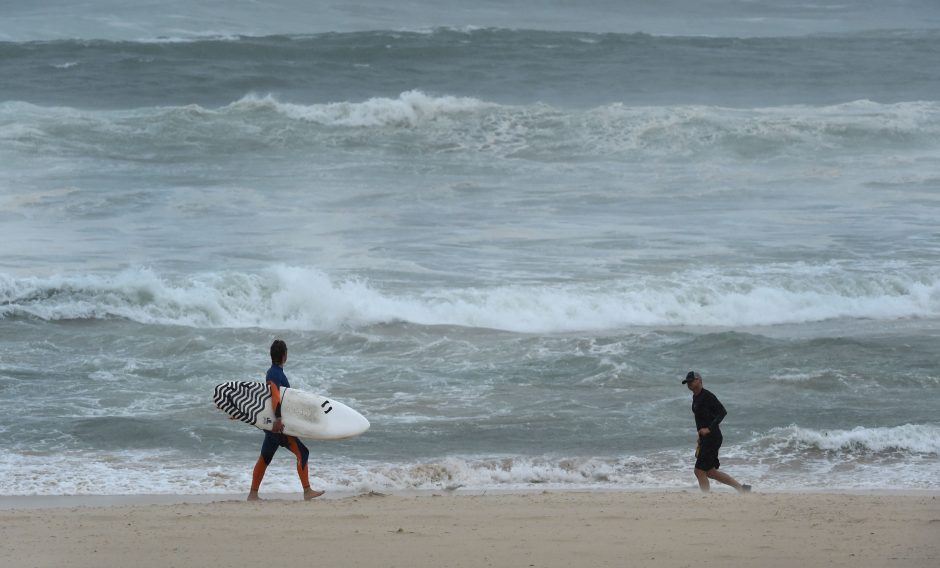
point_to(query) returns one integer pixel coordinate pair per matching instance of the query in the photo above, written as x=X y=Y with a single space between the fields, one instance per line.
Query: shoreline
x=95 y=501
x=33 y=502
x=539 y=529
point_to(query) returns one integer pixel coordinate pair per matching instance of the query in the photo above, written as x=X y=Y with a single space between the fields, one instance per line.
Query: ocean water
x=503 y=233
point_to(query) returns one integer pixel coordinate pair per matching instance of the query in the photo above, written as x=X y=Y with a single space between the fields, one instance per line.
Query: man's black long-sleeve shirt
x=708 y=411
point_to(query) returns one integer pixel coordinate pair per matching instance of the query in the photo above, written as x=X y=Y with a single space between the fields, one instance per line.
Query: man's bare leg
x=702 y=477
x=723 y=477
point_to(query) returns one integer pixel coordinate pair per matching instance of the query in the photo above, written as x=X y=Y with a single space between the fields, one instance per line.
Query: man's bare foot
x=253 y=496
x=311 y=494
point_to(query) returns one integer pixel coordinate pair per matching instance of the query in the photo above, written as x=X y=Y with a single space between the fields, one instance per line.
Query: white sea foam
x=140 y=472
x=305 y=298
x=136 y=472
x=794 y=376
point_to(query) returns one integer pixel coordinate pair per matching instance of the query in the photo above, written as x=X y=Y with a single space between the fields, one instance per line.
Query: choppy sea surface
x=504 y=245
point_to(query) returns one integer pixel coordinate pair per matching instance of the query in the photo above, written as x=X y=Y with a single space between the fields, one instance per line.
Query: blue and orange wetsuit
x=276 y=381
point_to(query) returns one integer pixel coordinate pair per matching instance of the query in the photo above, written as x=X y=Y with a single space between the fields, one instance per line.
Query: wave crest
x=410 y=109
x=305 y=298
x=908 y=438
x=421 y=123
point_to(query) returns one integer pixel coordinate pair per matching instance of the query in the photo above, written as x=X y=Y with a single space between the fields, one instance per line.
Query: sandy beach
x=681 y=528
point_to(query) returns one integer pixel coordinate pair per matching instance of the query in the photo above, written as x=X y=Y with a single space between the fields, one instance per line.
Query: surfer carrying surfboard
x=276 y=380
x=709 y=412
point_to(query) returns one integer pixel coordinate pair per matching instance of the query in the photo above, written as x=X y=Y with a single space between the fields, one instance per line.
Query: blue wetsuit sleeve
x=277 y=380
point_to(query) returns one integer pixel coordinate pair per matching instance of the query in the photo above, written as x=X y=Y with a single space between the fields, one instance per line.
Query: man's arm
x=718 y=413
x=278 y=425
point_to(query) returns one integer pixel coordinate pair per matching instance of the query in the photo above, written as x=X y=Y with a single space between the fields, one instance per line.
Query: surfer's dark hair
x=278 y=351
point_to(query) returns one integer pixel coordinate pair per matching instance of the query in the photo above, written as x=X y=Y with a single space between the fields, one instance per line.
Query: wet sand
x=563 y=529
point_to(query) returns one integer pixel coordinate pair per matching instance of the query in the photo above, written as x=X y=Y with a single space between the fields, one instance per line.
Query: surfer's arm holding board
x=278 y=425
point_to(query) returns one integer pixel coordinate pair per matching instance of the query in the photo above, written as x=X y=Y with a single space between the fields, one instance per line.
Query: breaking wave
x=286 y=297
x=420 y=123
x=908 y=438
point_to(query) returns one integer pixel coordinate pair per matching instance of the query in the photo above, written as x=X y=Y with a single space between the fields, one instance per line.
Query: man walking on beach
x=709 y=413
x=276 y=439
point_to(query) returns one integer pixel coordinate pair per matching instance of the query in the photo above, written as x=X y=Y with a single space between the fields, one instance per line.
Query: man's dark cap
x=691 y=376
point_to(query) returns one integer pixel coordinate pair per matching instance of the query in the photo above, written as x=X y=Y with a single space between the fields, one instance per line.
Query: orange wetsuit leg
x=268 y=448
x=258 y=473
x=300 y=450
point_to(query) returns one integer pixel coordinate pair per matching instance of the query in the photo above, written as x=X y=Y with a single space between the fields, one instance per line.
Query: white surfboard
x=304 y=414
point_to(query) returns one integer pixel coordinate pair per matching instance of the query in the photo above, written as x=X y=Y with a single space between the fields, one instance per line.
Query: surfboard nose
x=347 y=422
x=363 y=423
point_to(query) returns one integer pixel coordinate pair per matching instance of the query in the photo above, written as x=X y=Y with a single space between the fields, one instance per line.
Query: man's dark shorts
x=706 y=455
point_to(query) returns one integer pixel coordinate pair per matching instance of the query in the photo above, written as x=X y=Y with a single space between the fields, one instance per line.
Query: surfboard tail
x=242 y=400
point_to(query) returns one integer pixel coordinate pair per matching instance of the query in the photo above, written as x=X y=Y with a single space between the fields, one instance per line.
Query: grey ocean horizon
x=136 y=20
x=504 y=244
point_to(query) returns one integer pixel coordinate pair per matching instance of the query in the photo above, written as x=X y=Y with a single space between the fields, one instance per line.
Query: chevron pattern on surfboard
x=242 y=400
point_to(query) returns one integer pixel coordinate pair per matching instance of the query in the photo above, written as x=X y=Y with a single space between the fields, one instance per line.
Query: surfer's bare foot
x=253 y=496
x=311 y=494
